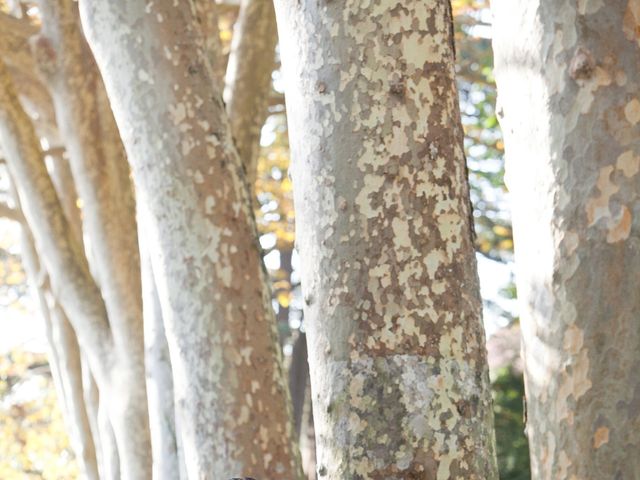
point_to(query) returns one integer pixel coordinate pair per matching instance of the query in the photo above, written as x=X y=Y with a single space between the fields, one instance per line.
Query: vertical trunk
x=392 y=307
x=160 y=392
x=64 y=358
x=568 y=82
x=248 y=78
x=91 y=402
x=230 y=391
x=101 y=175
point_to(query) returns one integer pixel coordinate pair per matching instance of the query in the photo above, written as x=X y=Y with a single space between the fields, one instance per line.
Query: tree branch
x=64 y=259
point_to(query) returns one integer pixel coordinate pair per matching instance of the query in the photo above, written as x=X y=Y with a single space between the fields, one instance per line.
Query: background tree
x=568 y=80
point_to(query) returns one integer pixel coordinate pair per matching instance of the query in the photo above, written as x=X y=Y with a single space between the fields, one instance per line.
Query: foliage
x=33 y=441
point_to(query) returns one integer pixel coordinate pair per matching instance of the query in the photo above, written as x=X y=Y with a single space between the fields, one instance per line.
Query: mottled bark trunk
x=231 y=395
x=248 y=78
x=392 y=307
x=568 y=77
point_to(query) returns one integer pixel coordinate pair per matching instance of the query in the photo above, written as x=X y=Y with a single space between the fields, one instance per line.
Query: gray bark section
x=392 y=308
x=568 y=78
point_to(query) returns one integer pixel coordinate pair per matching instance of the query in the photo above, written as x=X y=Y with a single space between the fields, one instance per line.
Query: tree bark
x=101 y=176
x=568 y=78
x=64 y=357
x=392 y=306
x=231 y=394
x=248 y=79
x=160 y=391
x=73 y=285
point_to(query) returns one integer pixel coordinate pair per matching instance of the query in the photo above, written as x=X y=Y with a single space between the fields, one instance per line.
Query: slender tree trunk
x=65 y=363
x=231 y=394
x=160 y=390
x=392 y=307
x=73 y=285
x=101 y=175
x=91 y=402
x=568 y=77
x=248 y=78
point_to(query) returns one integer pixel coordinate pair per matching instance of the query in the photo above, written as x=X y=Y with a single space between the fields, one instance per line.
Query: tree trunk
x=64 y=358
x=392 y=306
x=248 y=79
x=74 y=287
x=568 y=82
x=160 y=390
x=101 y=175
x=231 y=396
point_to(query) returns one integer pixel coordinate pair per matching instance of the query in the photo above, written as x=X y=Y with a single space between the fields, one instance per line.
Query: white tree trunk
x=231 y=396
x=392 y=306
x=568 y=75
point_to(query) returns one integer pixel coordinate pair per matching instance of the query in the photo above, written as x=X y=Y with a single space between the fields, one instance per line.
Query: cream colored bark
x=392 y=308
x=248 y=78
x=160 y=392
x=73 y=285
x=231 y=395
x=101 y=175
x=64 y=358
x=568 y=76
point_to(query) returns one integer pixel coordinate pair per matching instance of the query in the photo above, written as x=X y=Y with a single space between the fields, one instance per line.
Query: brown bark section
x=248 y=78
x=231 y=395
x=569 y=80
x=392 y=307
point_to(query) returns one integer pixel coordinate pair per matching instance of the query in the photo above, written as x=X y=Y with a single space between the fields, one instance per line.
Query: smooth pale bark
x=230 y=391
x=60 y=252
x=160 y=392
x=91 y=403
x=64 y=358
x=392 y=307
x=101 y=174
x=568 y=76
x=248 y=78
x=73 y=285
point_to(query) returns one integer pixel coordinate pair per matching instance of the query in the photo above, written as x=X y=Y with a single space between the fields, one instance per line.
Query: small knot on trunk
x=582 y=65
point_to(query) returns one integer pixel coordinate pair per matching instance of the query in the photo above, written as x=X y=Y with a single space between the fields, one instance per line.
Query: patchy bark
x=392 y=307
x=248 y=78
x=231 y=395
x=568 y=80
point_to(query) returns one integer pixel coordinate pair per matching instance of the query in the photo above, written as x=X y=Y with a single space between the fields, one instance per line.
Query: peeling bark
x=248 y=78
x=392 y=306
x=568 y=76
x=231 y=394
